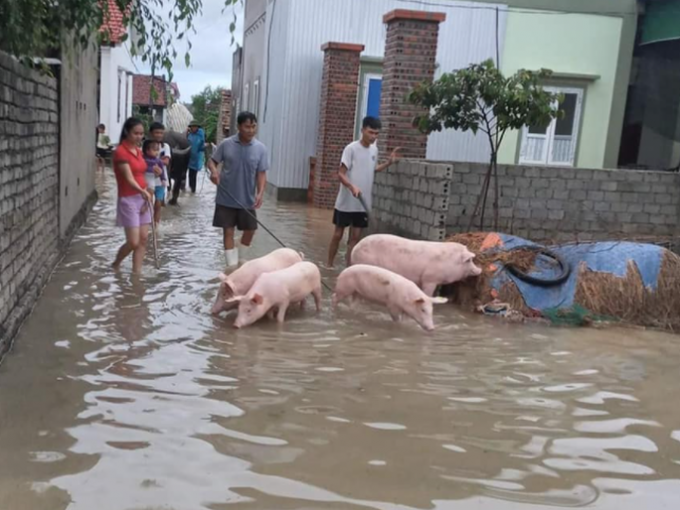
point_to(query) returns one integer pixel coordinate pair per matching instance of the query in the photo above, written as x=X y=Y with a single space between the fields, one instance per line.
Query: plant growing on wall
x=480 y=99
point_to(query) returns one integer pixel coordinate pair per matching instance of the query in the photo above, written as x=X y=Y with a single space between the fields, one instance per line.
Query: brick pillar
x=339 y=88
x=410 y=53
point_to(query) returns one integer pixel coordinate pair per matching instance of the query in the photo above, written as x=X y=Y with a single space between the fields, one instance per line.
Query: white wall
x=302 y=26
x=113 y=59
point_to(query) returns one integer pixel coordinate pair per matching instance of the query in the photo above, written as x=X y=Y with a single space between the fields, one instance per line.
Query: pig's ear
x=419 y=301
x=439 y=300
x=228 y=289
x=223 y=277
x=257 y=299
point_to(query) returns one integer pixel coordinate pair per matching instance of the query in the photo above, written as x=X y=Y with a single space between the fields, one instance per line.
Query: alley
x=124 y=393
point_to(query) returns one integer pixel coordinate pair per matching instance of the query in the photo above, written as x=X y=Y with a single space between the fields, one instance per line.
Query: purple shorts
x=133 y=211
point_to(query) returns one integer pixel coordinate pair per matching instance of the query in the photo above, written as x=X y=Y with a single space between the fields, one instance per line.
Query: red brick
x=339 y=88
x=410 y=55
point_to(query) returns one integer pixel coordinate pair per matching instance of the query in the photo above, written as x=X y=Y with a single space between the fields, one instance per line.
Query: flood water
x=125 y=393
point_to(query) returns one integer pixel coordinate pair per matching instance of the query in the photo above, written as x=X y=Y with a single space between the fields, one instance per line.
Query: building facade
x=280 y=74
x=116 y=69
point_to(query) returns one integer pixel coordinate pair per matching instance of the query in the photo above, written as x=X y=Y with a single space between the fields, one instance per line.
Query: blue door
x=373 y=98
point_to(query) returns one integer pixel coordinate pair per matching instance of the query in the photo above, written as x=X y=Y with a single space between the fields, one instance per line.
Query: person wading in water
x=240 y=185
x=133 y=206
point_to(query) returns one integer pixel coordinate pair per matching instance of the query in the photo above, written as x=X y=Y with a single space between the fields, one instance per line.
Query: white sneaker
x=232 y=257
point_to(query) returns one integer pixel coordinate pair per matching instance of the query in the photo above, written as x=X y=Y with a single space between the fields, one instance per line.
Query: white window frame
x=256 y=98
x=364 y=101
x=120 y=74
x=547 y=158
x=246 y=97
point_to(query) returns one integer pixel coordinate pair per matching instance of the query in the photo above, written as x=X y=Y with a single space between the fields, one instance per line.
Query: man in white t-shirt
x=156 y=133
x=357 y=169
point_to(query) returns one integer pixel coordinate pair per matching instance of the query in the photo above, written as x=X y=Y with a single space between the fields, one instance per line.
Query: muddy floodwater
x=124 y=393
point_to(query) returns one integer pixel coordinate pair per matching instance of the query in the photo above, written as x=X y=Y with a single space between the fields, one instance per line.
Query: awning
x=661 y=21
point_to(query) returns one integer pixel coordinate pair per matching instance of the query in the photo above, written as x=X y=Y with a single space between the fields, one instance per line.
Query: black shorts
x=228 y=217
x=350 y=219
x=103 y=153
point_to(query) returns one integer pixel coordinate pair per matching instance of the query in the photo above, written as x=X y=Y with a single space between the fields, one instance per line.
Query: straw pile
x=473 y=292
x=629 y=300
x=600 y=294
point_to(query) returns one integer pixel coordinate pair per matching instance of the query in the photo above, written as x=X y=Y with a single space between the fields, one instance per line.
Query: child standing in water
x=156 y=174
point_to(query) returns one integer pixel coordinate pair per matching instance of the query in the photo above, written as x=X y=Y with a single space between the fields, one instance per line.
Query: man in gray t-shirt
x=240 y=184
x=357 y=169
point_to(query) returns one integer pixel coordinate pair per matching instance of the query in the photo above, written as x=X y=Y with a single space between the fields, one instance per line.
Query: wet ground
x=124 y=393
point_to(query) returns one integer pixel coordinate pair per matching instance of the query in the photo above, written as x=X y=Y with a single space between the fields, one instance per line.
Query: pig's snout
x=476 y=271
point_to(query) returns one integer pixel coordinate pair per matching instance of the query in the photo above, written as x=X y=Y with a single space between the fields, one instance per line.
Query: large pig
x=401 y=296
x=278 y=290
x=427 y=264
x=240 y=281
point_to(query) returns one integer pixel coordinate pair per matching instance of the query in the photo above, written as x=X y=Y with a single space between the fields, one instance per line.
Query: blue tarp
x=606 y=257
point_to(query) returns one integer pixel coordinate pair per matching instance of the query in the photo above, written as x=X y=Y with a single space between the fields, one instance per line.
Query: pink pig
x=401 y=296
x=278 y=290
x=427 y=264
x=240 y=281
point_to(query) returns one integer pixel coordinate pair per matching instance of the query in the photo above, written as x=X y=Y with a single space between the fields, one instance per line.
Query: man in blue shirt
x=240 y=184
x=196 y=138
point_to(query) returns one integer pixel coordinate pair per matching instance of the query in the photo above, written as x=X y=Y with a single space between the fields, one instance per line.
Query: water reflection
x=124 y=393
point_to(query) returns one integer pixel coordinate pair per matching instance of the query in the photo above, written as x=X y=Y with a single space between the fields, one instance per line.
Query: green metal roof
x=661 y=21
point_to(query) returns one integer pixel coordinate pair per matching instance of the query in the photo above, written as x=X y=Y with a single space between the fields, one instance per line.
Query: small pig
x=427 y=264
x=279 y=289
x=400 y=295
x=240 y=281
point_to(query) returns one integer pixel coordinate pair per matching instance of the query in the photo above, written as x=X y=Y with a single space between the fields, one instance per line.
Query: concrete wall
x=78 y=120
x=553 y=46
x=37 y=216
x=115 y=60
x=430 y=199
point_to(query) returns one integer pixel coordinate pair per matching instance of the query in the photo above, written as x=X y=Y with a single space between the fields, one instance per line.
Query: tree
x=38 y=28
x=205 y=108
x=480 y=99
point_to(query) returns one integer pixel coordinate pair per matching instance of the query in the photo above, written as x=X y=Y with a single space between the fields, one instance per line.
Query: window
x=555 y=144
x=121 y=74
x=128 y=111
x=246 y=97
x=256 y=98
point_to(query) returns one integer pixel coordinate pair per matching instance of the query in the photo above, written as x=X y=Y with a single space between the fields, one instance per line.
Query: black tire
x=542 y=282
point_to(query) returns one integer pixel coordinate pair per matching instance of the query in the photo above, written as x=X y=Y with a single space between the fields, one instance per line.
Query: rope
x=264 y=227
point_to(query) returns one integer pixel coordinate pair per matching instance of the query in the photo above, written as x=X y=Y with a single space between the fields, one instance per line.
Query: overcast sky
x=212 y=50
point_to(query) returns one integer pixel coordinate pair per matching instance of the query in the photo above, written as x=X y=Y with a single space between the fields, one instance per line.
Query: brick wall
x=29 y=184
x=411 y=199
x=339 y=90
x=410 y=53
x=224 y=119
x=46 y=175
x=428 y=199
